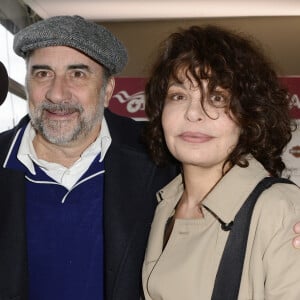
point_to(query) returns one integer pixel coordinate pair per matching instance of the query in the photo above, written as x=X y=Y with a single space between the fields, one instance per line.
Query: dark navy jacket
x=130 y=183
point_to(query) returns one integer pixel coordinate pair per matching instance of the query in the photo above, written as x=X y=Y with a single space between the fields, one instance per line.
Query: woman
x=215 y=105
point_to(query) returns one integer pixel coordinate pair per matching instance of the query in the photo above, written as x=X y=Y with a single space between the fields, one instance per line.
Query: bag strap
x=227 y=282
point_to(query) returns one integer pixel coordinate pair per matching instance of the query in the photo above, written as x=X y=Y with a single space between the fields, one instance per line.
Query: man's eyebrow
x=79 y=66
x=70 y=67
x=40 y=67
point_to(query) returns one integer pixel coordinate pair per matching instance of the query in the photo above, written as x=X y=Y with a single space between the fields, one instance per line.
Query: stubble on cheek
x=57 y=131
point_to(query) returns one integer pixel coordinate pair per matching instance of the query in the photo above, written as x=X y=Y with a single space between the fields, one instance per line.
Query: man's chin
x=61 y=136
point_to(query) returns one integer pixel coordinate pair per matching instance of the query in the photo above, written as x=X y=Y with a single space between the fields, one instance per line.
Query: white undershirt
x=65 y=176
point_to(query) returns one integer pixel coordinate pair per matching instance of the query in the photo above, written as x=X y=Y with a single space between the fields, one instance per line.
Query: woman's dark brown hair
x=258 y=103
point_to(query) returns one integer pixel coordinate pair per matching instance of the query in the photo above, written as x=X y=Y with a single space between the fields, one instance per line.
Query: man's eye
x=42 y=74
x=78 y=74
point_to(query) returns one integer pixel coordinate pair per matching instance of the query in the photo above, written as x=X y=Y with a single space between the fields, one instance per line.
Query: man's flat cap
x=3 y=83
x=90 y=38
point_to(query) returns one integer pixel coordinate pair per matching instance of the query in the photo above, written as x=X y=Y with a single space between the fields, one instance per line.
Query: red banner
x=129 y=99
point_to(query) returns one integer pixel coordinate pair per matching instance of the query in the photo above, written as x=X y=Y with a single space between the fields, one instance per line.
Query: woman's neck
x=198 y=182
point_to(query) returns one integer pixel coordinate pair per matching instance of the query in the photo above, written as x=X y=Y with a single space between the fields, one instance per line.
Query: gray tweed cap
x=90 y=38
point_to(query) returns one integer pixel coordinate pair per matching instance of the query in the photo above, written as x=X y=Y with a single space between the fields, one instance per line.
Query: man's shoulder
x=118 y=122
x=6 y=137
x=10 y=132
x=124 y=130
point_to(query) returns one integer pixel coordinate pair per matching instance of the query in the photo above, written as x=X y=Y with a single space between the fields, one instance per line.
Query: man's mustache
x=63 y=107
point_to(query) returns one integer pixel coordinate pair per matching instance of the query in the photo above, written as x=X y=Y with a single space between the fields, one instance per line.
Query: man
x=77 y=188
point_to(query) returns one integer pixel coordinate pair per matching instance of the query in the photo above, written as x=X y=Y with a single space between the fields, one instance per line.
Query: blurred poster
x=292 y=83
x=291 y=155
x=128 y=99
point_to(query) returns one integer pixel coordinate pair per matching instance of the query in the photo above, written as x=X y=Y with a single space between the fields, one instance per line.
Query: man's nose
x=58 y=90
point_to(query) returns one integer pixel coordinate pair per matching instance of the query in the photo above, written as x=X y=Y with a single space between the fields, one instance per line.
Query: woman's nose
x=195 y=111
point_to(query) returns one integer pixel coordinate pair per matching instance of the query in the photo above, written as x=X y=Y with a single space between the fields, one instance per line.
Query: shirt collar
x=27 y=155
x=233 y=189
x=227 y=197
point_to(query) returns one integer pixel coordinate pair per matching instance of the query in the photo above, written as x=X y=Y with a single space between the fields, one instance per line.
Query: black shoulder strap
x=227 y=282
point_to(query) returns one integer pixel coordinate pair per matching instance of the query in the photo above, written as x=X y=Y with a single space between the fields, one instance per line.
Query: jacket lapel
x=127 y=212
x=13 y=253
x=13 y=247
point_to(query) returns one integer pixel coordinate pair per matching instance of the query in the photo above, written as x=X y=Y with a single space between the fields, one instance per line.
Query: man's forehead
x=61 y=56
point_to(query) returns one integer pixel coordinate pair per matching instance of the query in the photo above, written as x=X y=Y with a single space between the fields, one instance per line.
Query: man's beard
x=63 y=132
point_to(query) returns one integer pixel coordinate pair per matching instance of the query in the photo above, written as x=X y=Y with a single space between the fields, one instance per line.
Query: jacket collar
x=226 y=198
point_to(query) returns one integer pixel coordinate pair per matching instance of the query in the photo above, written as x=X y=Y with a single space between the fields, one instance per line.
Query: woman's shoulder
x=278 y=207
x=282 y=195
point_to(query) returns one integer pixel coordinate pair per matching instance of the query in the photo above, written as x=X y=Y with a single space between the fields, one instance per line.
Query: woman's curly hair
x=258 y=103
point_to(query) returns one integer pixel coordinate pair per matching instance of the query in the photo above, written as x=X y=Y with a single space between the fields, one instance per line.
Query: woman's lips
x=195 y=137
x=295 y=151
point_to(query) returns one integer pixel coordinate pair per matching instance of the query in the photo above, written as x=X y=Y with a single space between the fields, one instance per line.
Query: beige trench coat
x=187 y=267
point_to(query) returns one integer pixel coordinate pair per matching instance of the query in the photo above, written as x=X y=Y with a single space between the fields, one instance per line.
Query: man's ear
x=109 y=91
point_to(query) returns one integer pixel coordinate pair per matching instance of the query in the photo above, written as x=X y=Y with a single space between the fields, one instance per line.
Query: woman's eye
x=176 y=97
x=218 y=100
